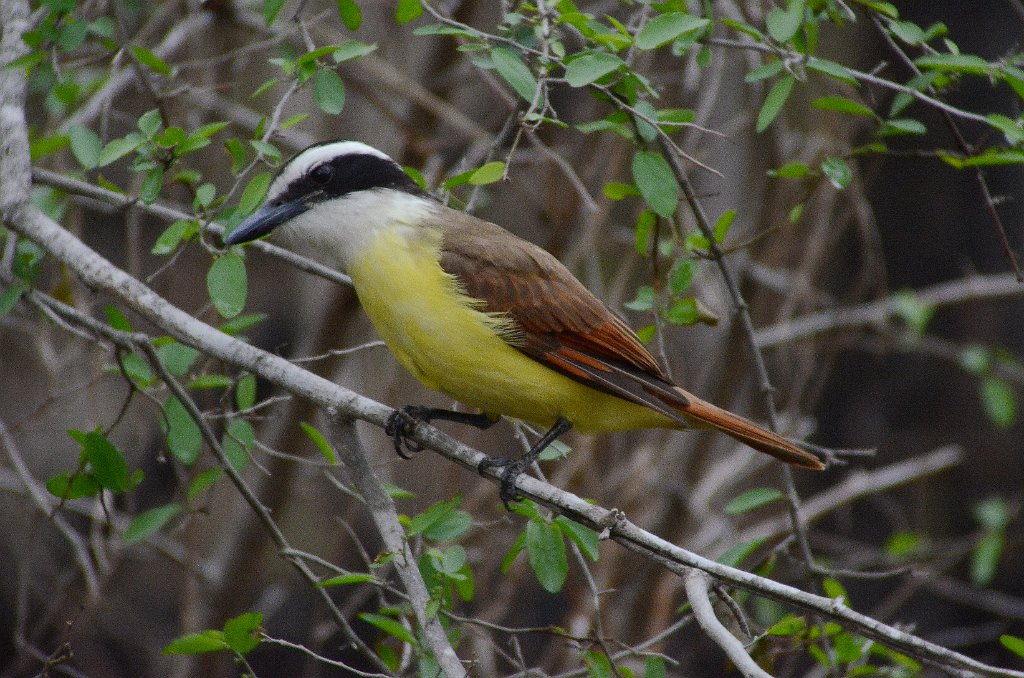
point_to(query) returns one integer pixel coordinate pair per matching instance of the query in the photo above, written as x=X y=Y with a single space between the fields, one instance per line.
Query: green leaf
x=753 y=499
x=237 y=442
x=654 y=666
x=912 y=311
x=837 y=171
x=172 y=236
x=449 y=527
x=546 y=550
x=738 y=553
x=242 y=323
x=1013 y=644
x=108 y=464
x=645 y=224
x=207 y=382
x=10 y=296
x=85 y=146
x=999 y=400
x=584 y=537
x=271 y=8
x=151 y=185
x=722 y=225
x=149 y=123
x=903 y=544
x=832 y=70
x=985 y=558
x=150 y=60
x=350 y=14
x=615 y=190
x=683 y=311
x=899 y=126
x=782 y=24
x=197 y=643
x=348 y=579
x=184 y=439
x=682 y=275
x=329 y=91
x=665 y=28
x=67 y=487
x=992 y=513
x=789 y=625
x=834 y=590
x=245 y=392
x=147 y=523
x=643 y=301
x=118 y=148
x=487 y=174
x=589 y=67
x=511 y=67
x=598 y=665
x=768 y=70
x=320 y=441
x=842 y=105
x=241 y=633
x=227 y=285
x=955 y=63
x=1010 y=128
x=202 y=482
x=774 y=102
x=657 y=184
x=407 y=10
x=388 y=626
x=177 y=358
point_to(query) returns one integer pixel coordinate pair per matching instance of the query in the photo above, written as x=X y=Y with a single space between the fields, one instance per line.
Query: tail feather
x=748 y=433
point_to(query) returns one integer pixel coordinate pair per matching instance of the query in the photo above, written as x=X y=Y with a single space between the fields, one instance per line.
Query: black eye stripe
x=344 y=174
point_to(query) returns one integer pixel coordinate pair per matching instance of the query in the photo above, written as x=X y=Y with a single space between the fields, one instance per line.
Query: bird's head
x=330 y=197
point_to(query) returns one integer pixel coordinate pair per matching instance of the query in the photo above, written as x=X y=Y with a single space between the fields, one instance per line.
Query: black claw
x=398 y=426
x=512 y=469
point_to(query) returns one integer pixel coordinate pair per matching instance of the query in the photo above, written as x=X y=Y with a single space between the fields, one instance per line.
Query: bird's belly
x=453 y=347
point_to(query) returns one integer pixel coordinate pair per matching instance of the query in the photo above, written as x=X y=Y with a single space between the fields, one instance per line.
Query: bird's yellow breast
x=451 y=345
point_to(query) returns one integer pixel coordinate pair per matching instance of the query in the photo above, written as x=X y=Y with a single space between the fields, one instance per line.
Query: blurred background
x=906 y=221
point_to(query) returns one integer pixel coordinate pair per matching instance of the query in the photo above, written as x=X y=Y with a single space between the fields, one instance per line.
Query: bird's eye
x=322 y=174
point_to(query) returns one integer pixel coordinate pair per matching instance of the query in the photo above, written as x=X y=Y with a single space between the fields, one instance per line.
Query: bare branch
x=699 y=594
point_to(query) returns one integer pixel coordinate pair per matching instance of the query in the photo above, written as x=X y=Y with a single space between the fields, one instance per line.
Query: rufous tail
x=748 y=433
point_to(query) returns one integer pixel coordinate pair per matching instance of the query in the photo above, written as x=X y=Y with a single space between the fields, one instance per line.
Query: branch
x=699 y=595
x=973 y=288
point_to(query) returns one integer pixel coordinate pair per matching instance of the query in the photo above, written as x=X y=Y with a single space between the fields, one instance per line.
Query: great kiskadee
x=477 y=313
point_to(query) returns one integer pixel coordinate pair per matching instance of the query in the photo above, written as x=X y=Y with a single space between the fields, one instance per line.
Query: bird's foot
x=401 y=422
x=512 y=469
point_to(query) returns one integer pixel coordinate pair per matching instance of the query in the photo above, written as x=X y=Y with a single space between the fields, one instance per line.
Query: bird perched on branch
x=477 y=313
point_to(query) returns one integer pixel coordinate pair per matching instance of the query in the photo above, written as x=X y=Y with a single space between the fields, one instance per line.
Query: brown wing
x=560 y=323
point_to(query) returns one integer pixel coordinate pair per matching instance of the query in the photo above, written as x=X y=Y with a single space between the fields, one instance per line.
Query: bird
x=477 y=313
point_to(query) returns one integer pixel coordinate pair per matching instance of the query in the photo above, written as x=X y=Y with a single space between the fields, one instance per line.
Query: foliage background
x=906 y=382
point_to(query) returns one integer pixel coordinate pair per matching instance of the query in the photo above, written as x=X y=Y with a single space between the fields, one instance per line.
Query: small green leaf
x=151 y=185
x=242 y=323
x=842 y=105
x=654 y=666
x=615 y=190
x=955 y=63
x=774 y=102
x=1013 y=644
x=511 y=67
x=150 y=60
x=173 y=235
x=645 y=224
x=350 y=14
x=591 y=66
x=388 y=626
x=837 y=171
x=722 y=225
x=241 y=633
x=682 y=275
x=67 y=487
x=901 y=126
x=197 y=643
x=149 y=123
x=352 y=49
x=999 y=401
x=546 y=550
x=329 y=91
x=177 y=358
x=184 y=439
x=487 y=174
x=738 y=553
x=832 y=70
x=118 y=148
x=320 y=441
x=683 y=312
x=753 y=499
x=992 y=513
x=584 y=537
x=226 y=284
x=85 y=146
x=245 y=392
x=407 y=10
x=237 y=442
x=789 y=625
x=11 y=296
x=148 y=522
x=985 y=558
x=202 y=482
x=834 y=590
x=644 y=300
x=657 y=184
x=108 y=464
x=903 y=544
x=207 y=382
x=271 y=8
x=348 y=579
x=782 y=24
x=912 y=311
x=666 y=27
